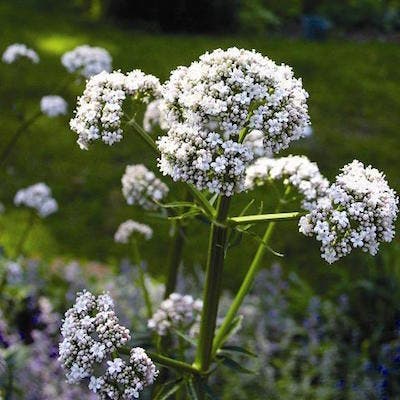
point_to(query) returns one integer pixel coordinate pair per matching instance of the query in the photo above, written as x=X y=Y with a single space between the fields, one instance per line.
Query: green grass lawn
x=354 y=105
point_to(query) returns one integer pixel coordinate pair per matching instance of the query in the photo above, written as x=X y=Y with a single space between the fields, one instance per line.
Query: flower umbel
x=16 y=51
x=176 y=312
x=214 y=103
x=38 y=197
x=129 y=227
x=99 y=111
x=87 y=60
x=358 y=211
x=296 y=171
x=140 y=186
x=53 y=106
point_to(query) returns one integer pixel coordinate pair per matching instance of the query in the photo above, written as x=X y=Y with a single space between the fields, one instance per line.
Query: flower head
x=16 y=51
x=177 y=312
x=211 y=106
x=296 y=171
x=129 y=227
x=90 y=333
x=52 y=106
x=38 y=197
x=203 y=159
x=140 y=186
x=99 y=111
x=359 y=211
x=87 y=60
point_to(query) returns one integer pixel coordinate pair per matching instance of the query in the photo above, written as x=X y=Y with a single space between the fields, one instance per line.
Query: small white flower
x=129 y=227
x=178 y=311
x=115 y=366
x=16 y=51
x=53 y=106
x=87 y=60
x=140 y=186
x=38 y=197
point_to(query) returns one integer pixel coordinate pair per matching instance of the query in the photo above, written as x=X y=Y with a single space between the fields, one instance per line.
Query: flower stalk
x=212 y=289
x=249 y=278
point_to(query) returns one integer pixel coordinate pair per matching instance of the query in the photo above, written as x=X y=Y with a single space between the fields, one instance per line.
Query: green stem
x=17 y=134
x=144 y=135
x=142 y=281
x=166 y=361
x=246 y=219
x=20 y=246
x=212 y=289
x=248 y=280
x=174 y=259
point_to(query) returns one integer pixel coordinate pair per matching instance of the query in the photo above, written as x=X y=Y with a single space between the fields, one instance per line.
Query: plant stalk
x=213 y=283
x=142 y=281
x=17 y=134
x=248 y=280
x=20 y=246
x=175 y=258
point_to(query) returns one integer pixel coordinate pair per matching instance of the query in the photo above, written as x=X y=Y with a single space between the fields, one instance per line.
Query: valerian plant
x=221 y=117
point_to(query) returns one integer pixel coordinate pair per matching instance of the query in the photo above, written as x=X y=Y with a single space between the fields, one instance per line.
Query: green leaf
x=233 y=328
x=169 y=389
x=208 y=390
x=213 y=199
x=238 y=349
x=235 y=366
x=186 y=338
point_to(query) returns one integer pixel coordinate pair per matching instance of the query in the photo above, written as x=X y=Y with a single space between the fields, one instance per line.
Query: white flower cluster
x=132 y=377
x=38 y=197
x=358 y=211
x=154 y=116
x=53 y=106
x=218 y=97
x=16 y=51
x=296 y=171
x=87 y=60
x=177 y=312
x=140 y=186
x=204 y=159
x=99 y=111
x=127 y=228
x=91 y=333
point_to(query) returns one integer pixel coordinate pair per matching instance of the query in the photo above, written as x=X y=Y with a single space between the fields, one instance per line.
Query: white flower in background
x=38 y=197
x=358 y=211
x=140 y=186
x=14 y=272
x=129 y=227
x=203 y=159
x=91 y=332
x=297 y=171
x=154 y=116
x=217 y=99
x=176 y=312
x=16 y=51
x=53 y=106
x=99 y=111
x=87 y=60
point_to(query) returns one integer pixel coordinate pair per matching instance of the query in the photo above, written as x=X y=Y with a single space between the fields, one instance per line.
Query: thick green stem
x=212 y=289
x=249 y=279
x=142 y=280
x=174 y=259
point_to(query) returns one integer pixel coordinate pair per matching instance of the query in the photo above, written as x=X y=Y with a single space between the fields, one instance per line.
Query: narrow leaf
x=239 y=349
x=168 y=390
x=235 y=366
